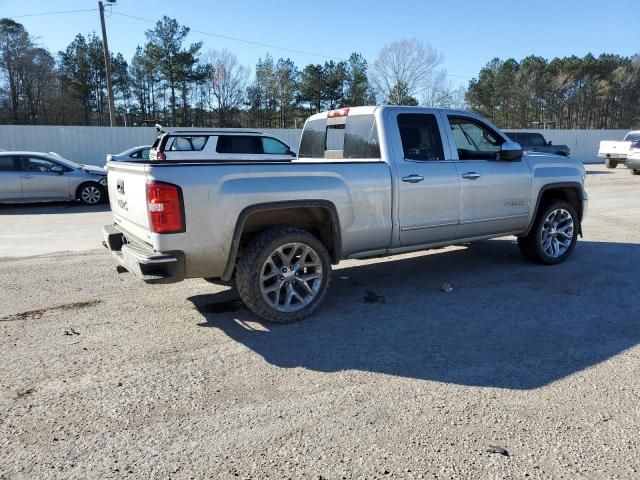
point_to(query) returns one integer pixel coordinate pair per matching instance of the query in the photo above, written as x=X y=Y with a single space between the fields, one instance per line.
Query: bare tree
x=228 y=83
x=407 y=63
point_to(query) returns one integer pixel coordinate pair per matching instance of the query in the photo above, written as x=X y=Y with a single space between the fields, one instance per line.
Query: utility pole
x=107 y=66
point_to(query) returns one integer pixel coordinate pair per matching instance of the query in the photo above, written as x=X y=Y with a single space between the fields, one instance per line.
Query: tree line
x=569 y=92
x=173 y=81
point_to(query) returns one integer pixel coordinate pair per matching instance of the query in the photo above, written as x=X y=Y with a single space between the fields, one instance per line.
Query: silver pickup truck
x=368 y=181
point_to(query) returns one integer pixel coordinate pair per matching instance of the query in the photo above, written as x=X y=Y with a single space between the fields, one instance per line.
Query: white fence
x=91 y=144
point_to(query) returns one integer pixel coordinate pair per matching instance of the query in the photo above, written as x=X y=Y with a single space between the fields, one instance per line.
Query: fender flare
x=262 y=207
x=553 y=186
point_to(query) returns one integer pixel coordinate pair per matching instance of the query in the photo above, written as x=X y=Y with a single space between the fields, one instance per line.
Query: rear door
x=428 y=183
x=40 y=182
x=495 y=195
x=10 y=184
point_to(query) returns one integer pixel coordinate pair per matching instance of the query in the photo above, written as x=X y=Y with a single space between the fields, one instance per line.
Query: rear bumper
x=618 y=157
x=141 y=260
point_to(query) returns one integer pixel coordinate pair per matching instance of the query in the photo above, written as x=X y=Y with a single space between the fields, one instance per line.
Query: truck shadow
x=507 y=323
x=48 y=208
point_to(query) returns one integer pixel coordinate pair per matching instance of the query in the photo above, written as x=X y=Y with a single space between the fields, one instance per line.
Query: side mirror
x=549 y=142
x=58 y=170
x=510 y=152
x=290 y=152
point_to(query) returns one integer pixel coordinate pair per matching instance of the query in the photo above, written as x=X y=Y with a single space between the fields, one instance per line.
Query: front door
x=428 y=184
x=40 y=182
x=495 y=195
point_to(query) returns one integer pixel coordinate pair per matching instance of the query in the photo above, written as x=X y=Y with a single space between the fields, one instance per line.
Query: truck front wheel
x=553 y=236
x=283 y=274
x=610 y=163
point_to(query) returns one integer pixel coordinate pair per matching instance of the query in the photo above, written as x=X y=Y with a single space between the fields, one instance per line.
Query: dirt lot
x=105 y=377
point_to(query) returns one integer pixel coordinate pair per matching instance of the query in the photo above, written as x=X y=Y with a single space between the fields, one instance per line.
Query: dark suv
x=535 y=142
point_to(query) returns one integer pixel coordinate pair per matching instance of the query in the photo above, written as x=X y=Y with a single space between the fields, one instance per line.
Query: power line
x=209 y=34
x=236 y=39
x=54 y=13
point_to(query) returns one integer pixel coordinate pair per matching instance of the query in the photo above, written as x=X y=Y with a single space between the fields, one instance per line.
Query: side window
x=420 y=136
x=271 y=146
x=38 y=165
x=538 y=140
x=187 y=143
x=135 y=154
x=474 y=141
x=144 y=154
x=248 y=145
x=8 y=164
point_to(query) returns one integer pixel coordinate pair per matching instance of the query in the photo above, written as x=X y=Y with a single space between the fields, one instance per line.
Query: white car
x=224 y=145
x=616 y=152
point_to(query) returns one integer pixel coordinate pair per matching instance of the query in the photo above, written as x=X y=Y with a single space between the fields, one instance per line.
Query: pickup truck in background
x=368 y=181
x=615 y=152
x=535 y=142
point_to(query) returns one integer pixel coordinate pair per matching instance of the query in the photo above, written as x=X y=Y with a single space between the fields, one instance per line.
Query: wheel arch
x=319 y=217
x=84 y=184
x=571 y=192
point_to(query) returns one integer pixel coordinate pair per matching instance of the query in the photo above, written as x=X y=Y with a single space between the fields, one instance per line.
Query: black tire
x=90 y=193
x=635 y=171
x=254 y=256
x=610 y=163
x=531 y=246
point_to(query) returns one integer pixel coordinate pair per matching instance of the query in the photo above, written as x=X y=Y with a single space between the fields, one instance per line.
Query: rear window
x=355 y=139
x=186 y=143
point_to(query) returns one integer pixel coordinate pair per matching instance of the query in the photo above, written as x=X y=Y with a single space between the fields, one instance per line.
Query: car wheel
x=635 y=171
x=553 y=236
x=90 y=194
x=283 y=274
x=610 y=163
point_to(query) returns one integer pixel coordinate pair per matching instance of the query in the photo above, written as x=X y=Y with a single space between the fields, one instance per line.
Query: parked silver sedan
x=43 y=177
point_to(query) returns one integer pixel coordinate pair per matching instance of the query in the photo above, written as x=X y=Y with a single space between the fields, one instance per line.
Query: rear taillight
x=160 y=156
x=165 y=207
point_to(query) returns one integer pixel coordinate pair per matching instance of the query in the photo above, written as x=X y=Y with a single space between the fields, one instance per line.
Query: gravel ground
x=103 y=376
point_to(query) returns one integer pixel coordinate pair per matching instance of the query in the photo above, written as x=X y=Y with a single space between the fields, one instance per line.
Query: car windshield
x=65 y=162
x=127 y=152
x=632 y=137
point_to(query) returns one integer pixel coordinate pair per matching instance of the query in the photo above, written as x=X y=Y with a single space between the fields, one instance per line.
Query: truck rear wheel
x=283 y=274
x=610 y=163
x=553 y=236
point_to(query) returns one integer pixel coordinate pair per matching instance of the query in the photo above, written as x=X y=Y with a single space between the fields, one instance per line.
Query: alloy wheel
x=291 y=277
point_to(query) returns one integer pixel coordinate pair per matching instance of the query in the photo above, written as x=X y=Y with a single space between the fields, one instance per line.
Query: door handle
x=413 y=178
x=471 y=175
x=26 y=176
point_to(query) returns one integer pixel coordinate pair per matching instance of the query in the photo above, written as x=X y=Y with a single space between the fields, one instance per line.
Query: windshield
x=631 y=137
x=65 y=162
x=127 y=152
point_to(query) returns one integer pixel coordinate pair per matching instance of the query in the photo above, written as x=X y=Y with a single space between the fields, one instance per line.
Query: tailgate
x=128 y=198
x=608 y=146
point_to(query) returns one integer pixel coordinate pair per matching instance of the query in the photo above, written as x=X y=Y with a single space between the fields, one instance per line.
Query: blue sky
x=468 y=33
